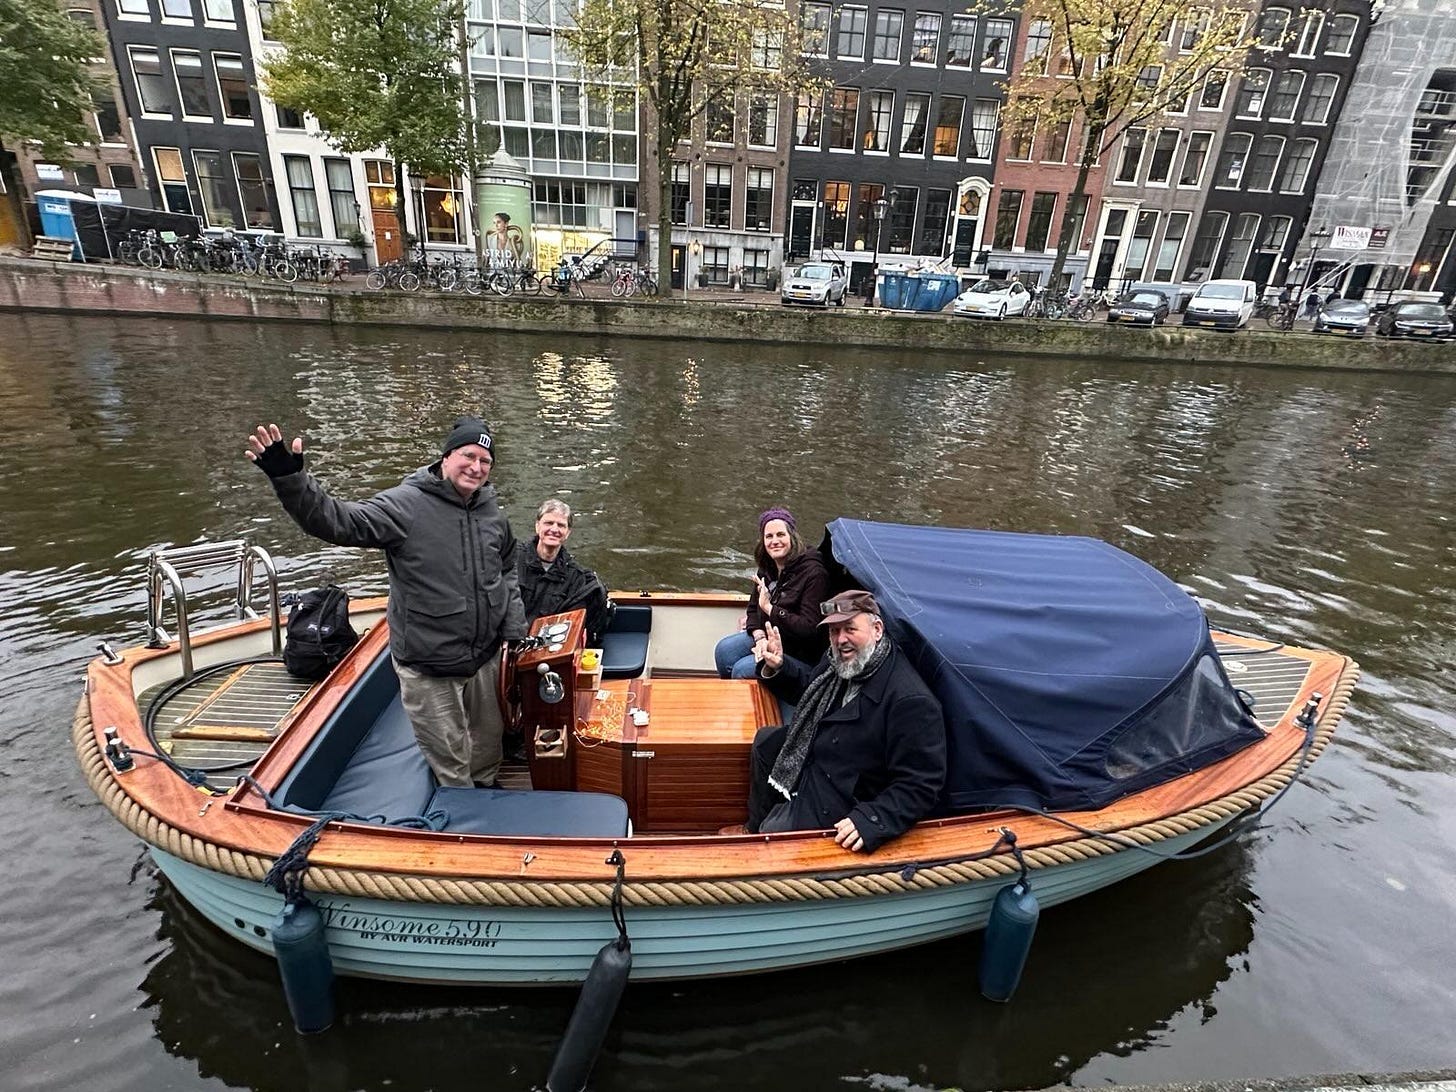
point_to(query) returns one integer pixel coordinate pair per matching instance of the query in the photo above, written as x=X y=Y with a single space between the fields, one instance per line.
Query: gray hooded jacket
x=453 y=595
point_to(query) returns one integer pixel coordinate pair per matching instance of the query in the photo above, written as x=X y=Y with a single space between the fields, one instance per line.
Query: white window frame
x=1291 y=158
x=1278 y=161
x=1309 y=34
x=1203 y=164
x=1263 y=100
x=1309 y=98
x=1221 y=179
x=1294 y=101
x=1354 y=32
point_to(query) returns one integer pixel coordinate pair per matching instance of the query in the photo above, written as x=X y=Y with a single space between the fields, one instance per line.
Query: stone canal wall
x=27 y=284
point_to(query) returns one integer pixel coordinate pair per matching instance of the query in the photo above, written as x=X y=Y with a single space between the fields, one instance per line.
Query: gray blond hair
x=560 y=507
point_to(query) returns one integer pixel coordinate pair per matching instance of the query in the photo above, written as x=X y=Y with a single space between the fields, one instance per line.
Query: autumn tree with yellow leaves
x=681 y=55
x=1109 y=65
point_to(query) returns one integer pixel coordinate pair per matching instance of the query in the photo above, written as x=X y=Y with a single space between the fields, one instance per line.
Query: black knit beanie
x=468 y=430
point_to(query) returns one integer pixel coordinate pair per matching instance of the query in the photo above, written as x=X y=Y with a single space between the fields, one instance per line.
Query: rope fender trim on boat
x=566 y=893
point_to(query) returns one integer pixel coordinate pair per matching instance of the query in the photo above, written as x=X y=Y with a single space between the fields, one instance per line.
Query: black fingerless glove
x=278 y=460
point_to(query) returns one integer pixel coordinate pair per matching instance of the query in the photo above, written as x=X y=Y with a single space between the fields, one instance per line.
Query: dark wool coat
x=880 y=760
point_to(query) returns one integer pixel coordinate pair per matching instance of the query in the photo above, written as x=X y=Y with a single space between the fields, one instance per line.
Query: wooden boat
x=636 y=764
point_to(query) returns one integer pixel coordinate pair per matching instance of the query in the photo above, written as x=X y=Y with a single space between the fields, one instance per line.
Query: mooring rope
x=524 y=892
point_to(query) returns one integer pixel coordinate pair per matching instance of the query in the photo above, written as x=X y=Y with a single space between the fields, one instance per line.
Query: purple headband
x=773 y=514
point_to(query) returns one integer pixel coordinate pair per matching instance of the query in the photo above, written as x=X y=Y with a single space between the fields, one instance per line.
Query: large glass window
x=543 y=99
x=925 y=45
x=1160 y=165
x=146 y=66
x=1309 y=33
x=299 y=170
x=1286 y=95
x=1173 y=234
x=843 y=106
x=715 y=264
x=172 y=176
x=1241 y=245
x=177 y=9
x=218 y=11
x=1038 y=47
x=758 y=199
x=879 y=117
x=983 y=128
x=681 y=193
x=252 y=190
x=212 y=184
x=1251 y=93
x=1022 y=138
x=340 y=178
x=763 y=121
x=899 y=226
x=1232 y=160
x=1297 y=165
x=1321 y=96
x=1194 y=157
x=889 y=29
x=915 y=123
x=1341 y=38
x=232 y=87
x=814 y=19
x=1265 y=163
x=515 y=102
x=123 y=176
x=443 y=205
x=1039 y=220
x=718 y=122
x=134 y=7
x=1008 y=213
x=960 y=46
x=1276 y=232
x=850 y=43
x=937 y=217
x=948 y=125
x=1143 y=231
x=717 y=195
x=1273 y=26
x=1205 y=244
x=108 y=118
x=1214 y=85
x=997 y=46
x=836 y=214
x=191 y=83
x=1058 y=136
x=809 y=121
x=1132 y=155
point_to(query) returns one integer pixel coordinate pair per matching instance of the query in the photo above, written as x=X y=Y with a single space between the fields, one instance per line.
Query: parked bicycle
x=1283 y=315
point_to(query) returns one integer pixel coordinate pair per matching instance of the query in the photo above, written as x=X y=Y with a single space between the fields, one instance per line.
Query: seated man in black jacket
x=552 y=581
x=865 y=753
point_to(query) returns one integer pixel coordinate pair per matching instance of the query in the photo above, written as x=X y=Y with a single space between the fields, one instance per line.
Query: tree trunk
x=665 y=147
x=1065 y=242
x=401 y=196
x=12 y=198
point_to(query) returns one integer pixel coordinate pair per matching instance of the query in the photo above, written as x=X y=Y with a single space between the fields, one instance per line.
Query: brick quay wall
x=30 y=285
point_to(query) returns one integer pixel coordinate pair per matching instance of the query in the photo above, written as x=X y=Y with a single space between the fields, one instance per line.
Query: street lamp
x=878 y=209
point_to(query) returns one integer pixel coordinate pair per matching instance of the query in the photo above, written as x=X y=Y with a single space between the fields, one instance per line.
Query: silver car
x=817 y=284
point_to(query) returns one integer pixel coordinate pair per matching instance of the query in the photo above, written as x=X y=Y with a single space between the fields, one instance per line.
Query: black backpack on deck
x=319 y=633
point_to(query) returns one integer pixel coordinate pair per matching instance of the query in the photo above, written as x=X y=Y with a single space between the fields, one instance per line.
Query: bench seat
x=532 y=814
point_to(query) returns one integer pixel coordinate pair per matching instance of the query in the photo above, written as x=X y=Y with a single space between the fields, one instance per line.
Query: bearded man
x=865 y=752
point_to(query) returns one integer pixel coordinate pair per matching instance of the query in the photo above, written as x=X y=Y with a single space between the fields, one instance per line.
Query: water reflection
x=1107 y=975
x=1309 y=507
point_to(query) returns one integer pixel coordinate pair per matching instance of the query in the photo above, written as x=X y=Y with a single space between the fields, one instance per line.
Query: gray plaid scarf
x=823 y=695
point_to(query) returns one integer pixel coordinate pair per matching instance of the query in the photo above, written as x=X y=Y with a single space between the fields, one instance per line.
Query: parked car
x=816 y=283
x=1349 y=317
x=1139 y=306
x=1224 y=305
x=992 y=299
x=1414 y=320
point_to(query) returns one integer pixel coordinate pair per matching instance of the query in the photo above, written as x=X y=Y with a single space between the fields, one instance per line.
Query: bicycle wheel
x=649 y=285
x=621 y=287
x=284 y=270
x=529 y=283
x=409 y=281
x=149 y=257
x=446 y=280
x=375 y=281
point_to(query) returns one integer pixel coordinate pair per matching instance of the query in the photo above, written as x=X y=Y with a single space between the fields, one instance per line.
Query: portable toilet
x=55 y=216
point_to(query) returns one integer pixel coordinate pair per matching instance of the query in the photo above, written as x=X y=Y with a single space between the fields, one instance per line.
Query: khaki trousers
x=457 y=722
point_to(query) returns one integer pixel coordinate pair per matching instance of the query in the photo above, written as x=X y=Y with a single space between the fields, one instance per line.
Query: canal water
x=1310 y=507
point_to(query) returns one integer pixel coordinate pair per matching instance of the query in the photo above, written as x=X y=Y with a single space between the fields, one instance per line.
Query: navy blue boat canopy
x=1071 y=672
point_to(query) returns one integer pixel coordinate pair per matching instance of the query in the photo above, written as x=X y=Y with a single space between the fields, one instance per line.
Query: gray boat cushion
x=533 y=813
x=624 y=645
x=387 y=774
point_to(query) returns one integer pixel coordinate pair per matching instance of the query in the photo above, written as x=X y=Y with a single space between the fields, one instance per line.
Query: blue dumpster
x=891 y=290
x=55 y=214
x=928 y=291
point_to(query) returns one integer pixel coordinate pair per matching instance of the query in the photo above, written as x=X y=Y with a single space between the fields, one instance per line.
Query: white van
x=1224 y=305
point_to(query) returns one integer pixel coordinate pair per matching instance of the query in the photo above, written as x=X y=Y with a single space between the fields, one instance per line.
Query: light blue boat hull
x=496 y=945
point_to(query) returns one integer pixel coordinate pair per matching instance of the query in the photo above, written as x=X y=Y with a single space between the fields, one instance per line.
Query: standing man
x=865 y=752
x=453 y=598
x=552 y=581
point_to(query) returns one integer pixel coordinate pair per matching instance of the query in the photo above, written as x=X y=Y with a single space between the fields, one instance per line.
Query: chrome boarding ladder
x=164 y=573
